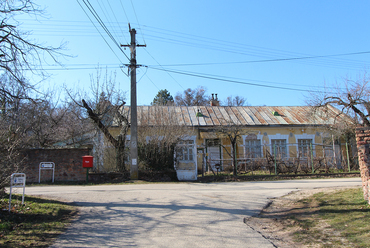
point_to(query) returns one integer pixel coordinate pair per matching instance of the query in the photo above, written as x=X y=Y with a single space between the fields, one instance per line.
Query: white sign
x=46 y=166
x=17 y=180
x=134 y=161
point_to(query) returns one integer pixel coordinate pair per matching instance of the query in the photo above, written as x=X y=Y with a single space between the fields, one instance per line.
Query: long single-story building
x=260 y=131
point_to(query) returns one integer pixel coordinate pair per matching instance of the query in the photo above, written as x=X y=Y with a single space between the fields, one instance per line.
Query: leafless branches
x=235 y=101
x=352 y=99
x=27 y=118
x=18 y=54
x=192 y=97
x=233 y=133
x=104 y=109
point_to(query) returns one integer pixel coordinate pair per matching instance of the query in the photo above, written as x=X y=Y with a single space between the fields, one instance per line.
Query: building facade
x=215 y=137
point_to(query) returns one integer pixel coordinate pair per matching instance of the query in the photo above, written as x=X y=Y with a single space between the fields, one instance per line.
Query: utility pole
x=134 y=169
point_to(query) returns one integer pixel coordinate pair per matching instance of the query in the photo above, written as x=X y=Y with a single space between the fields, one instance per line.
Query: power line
x=104 y=10
x=152 y=81
x=244 y=79
x=272 y=60
x=100 y=33
x=124 y=11
x=141 y=31
x=107 y=15
x=329 y=62
x=219 y=45
x=164 y=69
x=100 y=21
x=233 y=81
x=115 y=17
x=237 y=48
x=74 y=68
x=255 y=51
x=117 y=66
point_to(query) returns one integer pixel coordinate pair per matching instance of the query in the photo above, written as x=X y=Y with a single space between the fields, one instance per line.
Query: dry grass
x=317 y=218
x=37 y=223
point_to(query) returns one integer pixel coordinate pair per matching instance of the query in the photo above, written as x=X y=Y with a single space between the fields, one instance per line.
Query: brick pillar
x=363 y=144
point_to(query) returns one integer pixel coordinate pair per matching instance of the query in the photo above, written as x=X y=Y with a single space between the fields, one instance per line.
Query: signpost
x=17 y=180
x=46 y=166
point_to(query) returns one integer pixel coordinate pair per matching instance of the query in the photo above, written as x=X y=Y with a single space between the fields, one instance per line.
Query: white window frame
x=279 y=136
x=259 y=137
x=306 y=136
x=187 y=147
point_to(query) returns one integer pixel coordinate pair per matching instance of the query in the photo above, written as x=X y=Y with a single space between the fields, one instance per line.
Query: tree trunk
x=121 y=153
x=100 y=125
x=235 y=164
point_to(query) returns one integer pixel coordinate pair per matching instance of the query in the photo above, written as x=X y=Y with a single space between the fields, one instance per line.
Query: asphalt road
x=172 y=214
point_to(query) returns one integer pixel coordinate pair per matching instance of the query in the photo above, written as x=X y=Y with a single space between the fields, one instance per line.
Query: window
x=213 y=142
x=253 y=148
x=278 y=147
x=184 y=150
x=304 y=147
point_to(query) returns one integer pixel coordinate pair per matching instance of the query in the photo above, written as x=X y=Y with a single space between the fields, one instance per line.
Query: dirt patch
x=275 y=222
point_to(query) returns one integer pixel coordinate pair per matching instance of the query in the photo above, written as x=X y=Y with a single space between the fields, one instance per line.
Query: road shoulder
x=272 y=223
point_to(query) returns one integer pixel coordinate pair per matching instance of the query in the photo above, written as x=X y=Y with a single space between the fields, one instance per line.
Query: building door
x=213 y=147
x=186 y=160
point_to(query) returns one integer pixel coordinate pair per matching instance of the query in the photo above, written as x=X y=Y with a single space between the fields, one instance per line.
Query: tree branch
x=100 y=125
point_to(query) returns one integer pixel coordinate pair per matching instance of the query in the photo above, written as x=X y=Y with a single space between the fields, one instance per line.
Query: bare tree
x=19 y=54
x=27 y=123
x=235 y=101
x=104 y=110
x=192 y=97
x=353 y=99
x=18 y=57
x=76 y=127
x=10 y=158
x=354 y=102
x=118 y=142
x=234 y=134
x=43 y=121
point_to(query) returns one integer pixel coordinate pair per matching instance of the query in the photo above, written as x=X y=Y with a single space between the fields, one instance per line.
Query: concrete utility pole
x=134 y=169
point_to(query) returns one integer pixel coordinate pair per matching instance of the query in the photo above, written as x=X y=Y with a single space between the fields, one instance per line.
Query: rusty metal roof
x=209 y=116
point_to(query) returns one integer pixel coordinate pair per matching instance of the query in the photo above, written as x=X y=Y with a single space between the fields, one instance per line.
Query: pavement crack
x=245 y=220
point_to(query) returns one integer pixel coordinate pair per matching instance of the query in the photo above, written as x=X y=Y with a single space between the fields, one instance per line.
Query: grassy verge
x=35 y=224
x=339 y=219
x=227 y=177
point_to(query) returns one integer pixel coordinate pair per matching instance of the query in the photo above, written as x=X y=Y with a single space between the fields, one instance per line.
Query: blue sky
x=270 y=52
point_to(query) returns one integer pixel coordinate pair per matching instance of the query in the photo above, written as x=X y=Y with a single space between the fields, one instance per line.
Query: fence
x=288 y=158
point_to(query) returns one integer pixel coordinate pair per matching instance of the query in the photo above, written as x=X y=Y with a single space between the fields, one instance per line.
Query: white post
x=17 y=180
x=46 y=166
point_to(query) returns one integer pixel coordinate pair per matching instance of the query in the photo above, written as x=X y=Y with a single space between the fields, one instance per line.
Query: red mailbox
x=87 y=161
